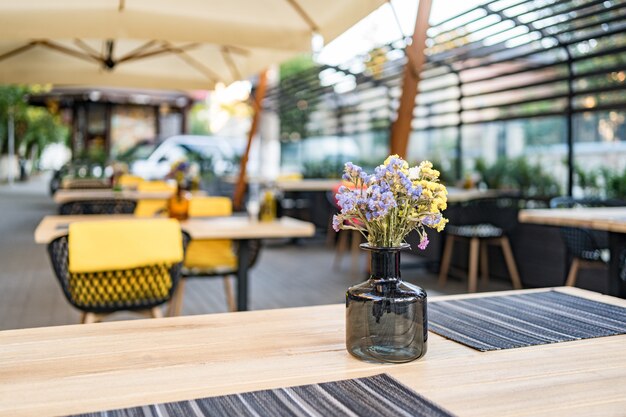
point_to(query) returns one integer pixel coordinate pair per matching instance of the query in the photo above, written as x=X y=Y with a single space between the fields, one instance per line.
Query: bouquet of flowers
x=392 y=202
x=184 y=173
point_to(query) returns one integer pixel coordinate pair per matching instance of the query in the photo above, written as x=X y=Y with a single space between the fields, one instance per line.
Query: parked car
x=213 y=154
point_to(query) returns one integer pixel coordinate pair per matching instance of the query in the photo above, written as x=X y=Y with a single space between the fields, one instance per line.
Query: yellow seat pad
x=150 y=208
x=126 y=180
x=210 y=206
x=210 y=254
x=155 y=186
x=122 y=244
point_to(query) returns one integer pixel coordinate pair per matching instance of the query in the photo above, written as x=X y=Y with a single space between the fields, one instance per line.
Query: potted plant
x=385 y=317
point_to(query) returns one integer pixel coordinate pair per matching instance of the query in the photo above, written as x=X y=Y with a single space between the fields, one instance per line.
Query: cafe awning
x=186 y=44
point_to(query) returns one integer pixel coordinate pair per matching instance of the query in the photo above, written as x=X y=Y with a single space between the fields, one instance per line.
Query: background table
x=609 y=219
x=81 y=368
x=66 y=196
x=233 y=228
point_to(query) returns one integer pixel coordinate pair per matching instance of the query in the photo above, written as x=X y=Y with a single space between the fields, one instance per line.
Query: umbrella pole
x=401 y=128
x=240 y=189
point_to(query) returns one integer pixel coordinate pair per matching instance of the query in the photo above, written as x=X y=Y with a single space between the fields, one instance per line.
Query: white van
x=212 y=151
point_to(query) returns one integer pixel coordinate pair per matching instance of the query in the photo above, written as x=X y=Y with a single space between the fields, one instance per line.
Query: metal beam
x=240 y=189
x=401 y=128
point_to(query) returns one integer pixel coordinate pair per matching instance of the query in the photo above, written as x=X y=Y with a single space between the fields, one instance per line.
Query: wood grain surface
x=73 y=369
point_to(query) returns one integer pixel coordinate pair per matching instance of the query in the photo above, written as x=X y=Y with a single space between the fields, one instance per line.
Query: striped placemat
x=378 y=395
x=518 y=320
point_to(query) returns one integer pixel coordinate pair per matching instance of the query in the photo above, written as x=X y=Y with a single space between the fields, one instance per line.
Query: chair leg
x=510 y=262
x=355 y=250
x=342 y=245
x=175 y=307
x=484 y=262
x=446 y=258
x=156 y=313
x=472 y=284
x=230 y=295
x=330 y=233
x=573 y=273
x=89 y=318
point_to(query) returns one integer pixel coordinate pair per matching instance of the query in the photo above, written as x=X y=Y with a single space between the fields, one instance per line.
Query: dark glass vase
x=385 y=317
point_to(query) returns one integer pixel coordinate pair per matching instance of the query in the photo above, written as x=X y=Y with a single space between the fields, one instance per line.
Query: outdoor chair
x=587 y=248
x=482 y=222
x=152 y=207
x=97 y=207
x=109 y=266
x=211 y=258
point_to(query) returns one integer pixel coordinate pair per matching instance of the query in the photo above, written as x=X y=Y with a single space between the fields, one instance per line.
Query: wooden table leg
x=242 y=275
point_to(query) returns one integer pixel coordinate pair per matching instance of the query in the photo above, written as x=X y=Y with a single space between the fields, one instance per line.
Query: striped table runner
x=378 y=395
x=511 y=321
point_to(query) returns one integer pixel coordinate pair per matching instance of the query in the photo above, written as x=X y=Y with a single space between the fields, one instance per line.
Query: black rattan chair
x=587 y=248
x=482 y=222
x=98 y=207
x=98 y=294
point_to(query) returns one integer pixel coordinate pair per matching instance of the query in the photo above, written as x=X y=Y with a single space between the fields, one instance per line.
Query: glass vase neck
x=384 y=262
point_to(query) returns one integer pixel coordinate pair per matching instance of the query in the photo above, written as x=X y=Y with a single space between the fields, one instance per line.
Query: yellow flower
x=442 y=224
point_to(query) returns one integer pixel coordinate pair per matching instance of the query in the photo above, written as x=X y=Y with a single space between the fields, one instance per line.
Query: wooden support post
x=258 y=100
x=401 y=128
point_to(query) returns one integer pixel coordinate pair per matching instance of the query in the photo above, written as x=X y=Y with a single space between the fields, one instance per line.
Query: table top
x=65 y=196
x=611 y=219
x=234 y=227
x=81 y=368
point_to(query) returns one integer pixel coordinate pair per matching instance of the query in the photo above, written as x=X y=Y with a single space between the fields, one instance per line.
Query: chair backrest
x=141 y=275
x=501 y=212
x=582 y=243
x=98 y=207
x=570 y=202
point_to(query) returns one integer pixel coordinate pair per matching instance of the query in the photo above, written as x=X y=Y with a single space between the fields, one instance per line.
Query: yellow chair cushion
x=155 y=186
x=211 y=255
x=126 y=180
x=96 y=246
x=210 y=206
x=151 y=207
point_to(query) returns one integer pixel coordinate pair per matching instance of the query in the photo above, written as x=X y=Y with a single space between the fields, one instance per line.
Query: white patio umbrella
x=182 y=44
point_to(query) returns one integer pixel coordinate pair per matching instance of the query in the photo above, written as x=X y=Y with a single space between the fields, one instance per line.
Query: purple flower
x=337 y=222
x=431 y=220
x=423 y=242
x=347 y=200
x=353 y=172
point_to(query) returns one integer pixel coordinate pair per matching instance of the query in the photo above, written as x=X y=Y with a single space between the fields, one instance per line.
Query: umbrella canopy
x=184 y=44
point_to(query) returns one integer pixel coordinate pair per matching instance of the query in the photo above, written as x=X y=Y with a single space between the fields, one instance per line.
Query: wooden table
x=238 y=228
x=82 y=368
x=66 y=196
x=609 y=219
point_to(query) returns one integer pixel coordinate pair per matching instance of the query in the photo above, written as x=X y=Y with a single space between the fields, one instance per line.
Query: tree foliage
x=35 y=127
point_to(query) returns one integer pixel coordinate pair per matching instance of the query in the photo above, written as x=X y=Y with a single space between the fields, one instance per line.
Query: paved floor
x=285 y=276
